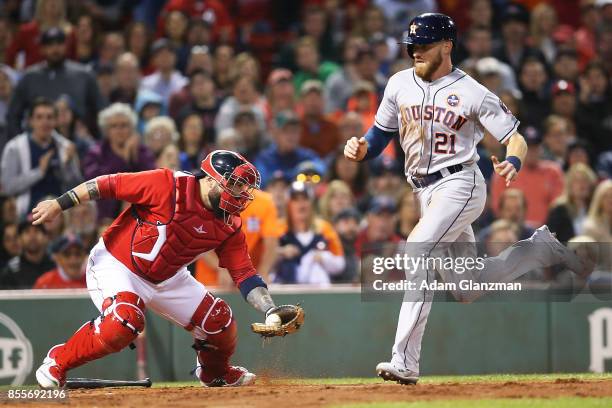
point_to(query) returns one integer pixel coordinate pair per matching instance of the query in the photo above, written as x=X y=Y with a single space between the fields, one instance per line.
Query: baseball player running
x=141 y=259
x=440 y=114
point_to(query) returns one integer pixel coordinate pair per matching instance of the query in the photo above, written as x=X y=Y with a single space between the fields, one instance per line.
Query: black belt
x=424 y=181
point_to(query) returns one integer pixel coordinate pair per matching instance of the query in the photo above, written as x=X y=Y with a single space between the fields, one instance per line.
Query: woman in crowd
x=310 y=249
x=566 y=217
x=336 y=198
x=160 y=132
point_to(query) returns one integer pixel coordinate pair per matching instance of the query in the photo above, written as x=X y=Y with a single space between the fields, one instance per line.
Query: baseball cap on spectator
x=488 y=66
x=244 y=115
x=563 y=86
x=298 y=188
x=161 y=44
x=563 y=34
x=532 y=135
x=347 y=213
x=382 y=204
x=66 y=241
x=278 y=175
x=515 y=12
x=312 y=85
x=383 y=165
x=309 y=171
x=278 y=75
x=286 y=118
x=363 y=87
x=53 y=35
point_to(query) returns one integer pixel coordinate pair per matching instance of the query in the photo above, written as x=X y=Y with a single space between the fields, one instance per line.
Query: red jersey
x=167 y=226
x=57 y=279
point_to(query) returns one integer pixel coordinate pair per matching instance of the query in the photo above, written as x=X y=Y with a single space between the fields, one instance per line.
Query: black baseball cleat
x=389 y=372
x=569 y=258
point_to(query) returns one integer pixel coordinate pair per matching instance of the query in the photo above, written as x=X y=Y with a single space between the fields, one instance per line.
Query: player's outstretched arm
x=47 y=210
x=368 y=146
x=515 y=155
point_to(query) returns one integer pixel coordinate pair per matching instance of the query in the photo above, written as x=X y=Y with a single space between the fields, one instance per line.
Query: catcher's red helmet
x=236 y=177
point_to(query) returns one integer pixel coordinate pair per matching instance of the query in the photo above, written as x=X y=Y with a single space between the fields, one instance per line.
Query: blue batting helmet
x=429 y=28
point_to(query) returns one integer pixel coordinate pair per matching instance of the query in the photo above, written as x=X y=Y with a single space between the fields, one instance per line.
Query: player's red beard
x=425 y=69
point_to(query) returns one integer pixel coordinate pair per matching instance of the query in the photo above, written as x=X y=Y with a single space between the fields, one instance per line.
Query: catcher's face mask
x=236 y=177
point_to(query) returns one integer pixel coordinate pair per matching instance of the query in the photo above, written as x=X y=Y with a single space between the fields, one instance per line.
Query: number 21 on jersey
x=444 y=143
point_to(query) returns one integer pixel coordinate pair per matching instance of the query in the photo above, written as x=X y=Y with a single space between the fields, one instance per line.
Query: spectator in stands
x=127 y=75
x=578 y=151
x=175 y=29
x=350 y=125
x=148 y=106
x=262 y=229
x=22 y=271
x=278 y=187
x=200 y=59
x=337 y=198
x=567 y=216
x=346 y=224
x=111 y=47
x=105 y=79
x=556 y=139
x=48 y=14
x=385 y=179
x=244 y=97
x=245 y=65
x=566 y=66
x=534 y=105
x=169 y=157
x=512 y=207
x=310 y=250
x=309 y=64
x=542 y=27
x=354 y=174
x=8 y=206
x=39 y=163
x=84 y=48
x=8 y=80
x=166 y=79
x=541 y=181
x=285 y=153
x=192 y=142
x=214 y=12
x=409 y=213
x=379 y=237
x=52 y=78
x=81 y=221
x=598 y=224
x=245 y=125
x=70 y=255
x=564 y=102
x=224 y=57
x=138 y=41
x=339 y=85
x=71 y=127
x=318 y=133
x=594 y=111
x=479 y=44
x=364 y=102
x=11 y=247
x=515 y=29
x=119 y=151
x=159 y=133
x=499 y=236
x=280 y=93
x=201 y=100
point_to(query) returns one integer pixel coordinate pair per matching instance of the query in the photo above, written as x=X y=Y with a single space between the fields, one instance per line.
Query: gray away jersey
x=441 y=122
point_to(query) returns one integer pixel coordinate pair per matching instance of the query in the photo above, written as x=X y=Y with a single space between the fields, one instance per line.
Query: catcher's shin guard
x=215 y=333
x=121 y=321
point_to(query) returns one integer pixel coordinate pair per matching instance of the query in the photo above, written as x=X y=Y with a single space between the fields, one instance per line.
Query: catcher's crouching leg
x=215 y=334
x=121 y=321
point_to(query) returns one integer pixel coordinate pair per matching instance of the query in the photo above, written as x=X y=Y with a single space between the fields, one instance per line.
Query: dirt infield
x=279 y=394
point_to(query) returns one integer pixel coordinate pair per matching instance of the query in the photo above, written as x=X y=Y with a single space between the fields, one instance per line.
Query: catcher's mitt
x=292 y=318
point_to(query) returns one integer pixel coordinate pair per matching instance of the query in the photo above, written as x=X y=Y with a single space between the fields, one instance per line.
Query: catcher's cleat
x=389 y=372
x=50 y=374
x=235 y=376
x=568 y=258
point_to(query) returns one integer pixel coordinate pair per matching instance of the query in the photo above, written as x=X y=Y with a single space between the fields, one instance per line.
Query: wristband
x=68 y=200
x=515 y=161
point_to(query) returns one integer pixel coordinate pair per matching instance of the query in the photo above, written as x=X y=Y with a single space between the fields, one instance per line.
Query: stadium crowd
x=96 y=87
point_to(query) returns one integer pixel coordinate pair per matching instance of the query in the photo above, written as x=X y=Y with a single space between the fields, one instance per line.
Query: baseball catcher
x=140 y=261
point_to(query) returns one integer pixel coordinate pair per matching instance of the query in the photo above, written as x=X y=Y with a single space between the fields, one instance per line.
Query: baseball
x=274 y=320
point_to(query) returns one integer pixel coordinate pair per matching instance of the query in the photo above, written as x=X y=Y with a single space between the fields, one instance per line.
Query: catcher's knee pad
x=122 y=319
x=214 y=323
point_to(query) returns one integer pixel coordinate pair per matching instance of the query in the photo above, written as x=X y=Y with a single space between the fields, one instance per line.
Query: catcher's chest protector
x=158 y=251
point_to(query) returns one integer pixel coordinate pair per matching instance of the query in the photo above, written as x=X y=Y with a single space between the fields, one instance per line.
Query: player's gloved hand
x=505 y=169
x=280 y=321
x=356 y=149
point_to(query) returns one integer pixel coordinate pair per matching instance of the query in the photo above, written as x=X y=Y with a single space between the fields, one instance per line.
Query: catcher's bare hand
x=505 y=169
x=356 y=149
x=45 y=211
